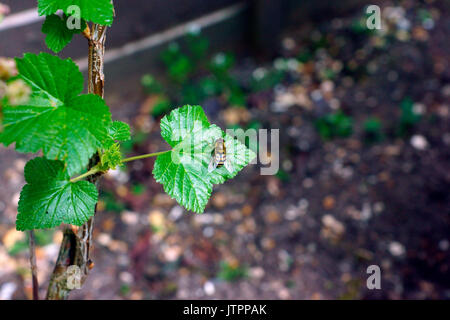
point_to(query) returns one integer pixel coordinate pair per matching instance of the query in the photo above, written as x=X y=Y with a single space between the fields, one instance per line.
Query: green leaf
x=184 y=170
x=119 y=131
x=182 y=122
x=57 y=120
x=49 y=198
x=111 y=158
x=58 y=35
x=97 y=11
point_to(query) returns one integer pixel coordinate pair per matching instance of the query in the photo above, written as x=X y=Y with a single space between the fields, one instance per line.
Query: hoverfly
x=219 y=157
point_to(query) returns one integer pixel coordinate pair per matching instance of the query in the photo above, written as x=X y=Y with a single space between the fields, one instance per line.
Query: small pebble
x=328 y=202
x=209 y=288
x=396 y=249
x=419 y=142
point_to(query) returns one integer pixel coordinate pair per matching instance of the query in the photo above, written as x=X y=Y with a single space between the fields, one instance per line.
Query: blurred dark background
x=364 y=152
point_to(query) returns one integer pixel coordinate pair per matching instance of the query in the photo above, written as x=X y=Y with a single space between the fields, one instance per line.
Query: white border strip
x=168 y=35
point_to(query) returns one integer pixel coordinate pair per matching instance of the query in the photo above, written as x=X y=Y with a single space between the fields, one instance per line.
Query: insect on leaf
x=184 y=170
x=238 y=155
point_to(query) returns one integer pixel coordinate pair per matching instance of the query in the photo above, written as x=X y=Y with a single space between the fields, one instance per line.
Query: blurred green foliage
x=138 y=189
x=161 y=107
x=124 y=289
x=283 y=175
x=18 y=247
x=178 y=64
x=111 y=204
x=42 y=238
x=424 y=15
x=408 y=117
x=305 y=55
x=359 y=25
x=192 y=77
x=266 y=79
x=150 y=84
x=136 y=139
x=373 y=130
x=334 y=125
x=230 y=272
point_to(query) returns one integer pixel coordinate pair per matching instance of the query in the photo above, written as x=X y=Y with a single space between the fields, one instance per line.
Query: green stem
x=143 y=156
x=96 y=169
x=92 y=171
x=33 y=266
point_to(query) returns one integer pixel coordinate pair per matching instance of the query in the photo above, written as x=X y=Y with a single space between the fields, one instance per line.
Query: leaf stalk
x=33 y=265
x=144 y=156
x=97 y=169
x=90 y=172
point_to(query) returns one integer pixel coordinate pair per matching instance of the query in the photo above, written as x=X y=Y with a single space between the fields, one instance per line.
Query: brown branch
x=33 y=265
x=77 y=242
x=96 y=55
